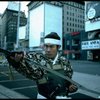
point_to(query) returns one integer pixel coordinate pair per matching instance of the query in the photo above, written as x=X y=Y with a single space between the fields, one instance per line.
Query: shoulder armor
x=64 y=60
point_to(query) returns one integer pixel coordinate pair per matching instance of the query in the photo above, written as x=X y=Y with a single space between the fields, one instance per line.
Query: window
x=67 y=12
x=67 y=23
x=70 y=18
x=67 y=29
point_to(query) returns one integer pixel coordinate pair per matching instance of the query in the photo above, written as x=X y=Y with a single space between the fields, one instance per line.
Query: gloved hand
x=26 y=68
x=72 y=88
x=14 y=58
x=17 y=56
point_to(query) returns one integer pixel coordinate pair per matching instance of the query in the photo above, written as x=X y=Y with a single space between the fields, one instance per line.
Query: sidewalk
x=89 y=81
x=6 y=93
x=85 y=61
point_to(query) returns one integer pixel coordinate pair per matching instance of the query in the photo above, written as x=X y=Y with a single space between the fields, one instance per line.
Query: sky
x=4 y=4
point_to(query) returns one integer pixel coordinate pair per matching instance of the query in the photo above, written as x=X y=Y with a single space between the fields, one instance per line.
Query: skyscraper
x=9 y=24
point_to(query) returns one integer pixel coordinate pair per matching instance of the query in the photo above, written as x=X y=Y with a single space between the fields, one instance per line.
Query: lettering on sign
x=93 y=44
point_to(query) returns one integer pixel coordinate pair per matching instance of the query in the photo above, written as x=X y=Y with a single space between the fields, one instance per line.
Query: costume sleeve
x=24 y=67
x=68 y=71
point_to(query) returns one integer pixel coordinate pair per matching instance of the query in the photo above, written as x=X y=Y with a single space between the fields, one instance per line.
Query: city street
x=89 y=67
x=71 y=28
x=86 y=73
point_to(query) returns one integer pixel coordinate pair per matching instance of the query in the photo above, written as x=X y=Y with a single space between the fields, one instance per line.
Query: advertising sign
x=36 y=25
x=92 y=15
x=22 y=32
x=93 y=44
x=45 y=18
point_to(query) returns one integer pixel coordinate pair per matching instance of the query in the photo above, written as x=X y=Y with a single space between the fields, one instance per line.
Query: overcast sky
x=4 y=4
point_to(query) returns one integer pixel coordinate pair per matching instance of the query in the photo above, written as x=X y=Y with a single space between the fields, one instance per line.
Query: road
x=28 y=87
x=88 y=67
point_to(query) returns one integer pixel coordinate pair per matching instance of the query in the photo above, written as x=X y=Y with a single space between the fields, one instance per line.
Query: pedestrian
x=48 y=84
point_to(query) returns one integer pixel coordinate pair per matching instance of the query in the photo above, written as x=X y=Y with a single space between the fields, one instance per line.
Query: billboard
x=92 y=15
x=45 y=18
x=22 y=32
x=53 y=20
x=36 y=26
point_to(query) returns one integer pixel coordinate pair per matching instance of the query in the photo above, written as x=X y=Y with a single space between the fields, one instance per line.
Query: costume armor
x=44 y=78
x=48 y=84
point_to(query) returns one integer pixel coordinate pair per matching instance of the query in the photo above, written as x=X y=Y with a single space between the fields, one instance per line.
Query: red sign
x=75 y=33
x=66 y=51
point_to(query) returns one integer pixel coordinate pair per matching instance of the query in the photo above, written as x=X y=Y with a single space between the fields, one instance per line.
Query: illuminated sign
x=93 y=44
x=74 y=33
x=45 y=18
x=92 y=15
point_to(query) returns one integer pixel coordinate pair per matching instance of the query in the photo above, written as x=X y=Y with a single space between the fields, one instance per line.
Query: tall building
x=9 y=26
x=0 y=30
x=72 y=16
x=73 y=29
x=44 y=17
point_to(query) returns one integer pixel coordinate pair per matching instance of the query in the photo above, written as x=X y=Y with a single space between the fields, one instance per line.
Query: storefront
x=93 y=49
x=72 y=45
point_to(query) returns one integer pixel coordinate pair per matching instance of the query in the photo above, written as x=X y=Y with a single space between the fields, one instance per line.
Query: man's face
x=50 y=50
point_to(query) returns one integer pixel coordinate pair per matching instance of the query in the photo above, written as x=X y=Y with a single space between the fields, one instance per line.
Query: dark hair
x=53 y=35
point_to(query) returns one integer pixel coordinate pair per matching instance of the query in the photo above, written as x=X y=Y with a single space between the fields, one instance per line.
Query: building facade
x=92 y=27
x=0 y=30
x=44 y=17
x=9 y=27
x=72 y=45
x=73 y=30
x=72 y=14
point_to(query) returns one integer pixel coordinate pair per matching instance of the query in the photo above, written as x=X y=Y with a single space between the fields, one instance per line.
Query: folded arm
x=20 y=63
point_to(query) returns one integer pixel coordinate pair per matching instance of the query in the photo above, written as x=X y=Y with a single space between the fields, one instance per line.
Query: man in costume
x=48 y=84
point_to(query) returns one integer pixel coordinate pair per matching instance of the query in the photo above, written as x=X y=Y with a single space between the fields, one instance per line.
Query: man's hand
x=72 y=88
x=14 y=58
x=17 y=57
